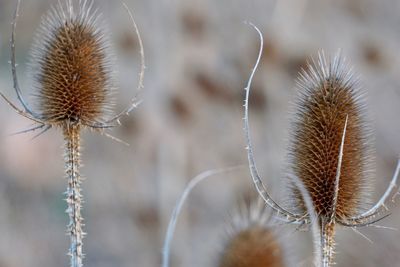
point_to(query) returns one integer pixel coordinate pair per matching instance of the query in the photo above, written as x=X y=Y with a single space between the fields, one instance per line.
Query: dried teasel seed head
x=330 y=94
x=252 y=242
x=71 y=66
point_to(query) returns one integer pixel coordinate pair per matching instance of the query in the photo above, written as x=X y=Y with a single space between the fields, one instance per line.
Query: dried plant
x=252 y=240
x=72 y=76
x=329 y=153
x=178 y=208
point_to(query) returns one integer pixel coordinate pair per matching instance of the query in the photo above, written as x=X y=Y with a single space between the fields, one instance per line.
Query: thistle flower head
x=70 y=66
x=329 y=108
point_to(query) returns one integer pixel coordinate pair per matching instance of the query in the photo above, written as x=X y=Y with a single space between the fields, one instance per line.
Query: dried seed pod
x=71 y=67
x=328 y=96
x=330 y=145
x=252 y=242
x=329 y=153
x=72 y=73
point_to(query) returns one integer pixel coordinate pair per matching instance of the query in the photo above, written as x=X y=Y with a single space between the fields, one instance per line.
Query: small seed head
x=252 y=243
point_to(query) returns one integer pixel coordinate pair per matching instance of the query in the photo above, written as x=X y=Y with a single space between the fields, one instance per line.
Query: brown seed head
x=252 y=242
x=71 y=67
x=328 y=94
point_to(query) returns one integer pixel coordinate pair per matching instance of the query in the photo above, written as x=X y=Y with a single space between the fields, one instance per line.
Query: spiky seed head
x=71 y=67
x=252 y=242
x=329 y=93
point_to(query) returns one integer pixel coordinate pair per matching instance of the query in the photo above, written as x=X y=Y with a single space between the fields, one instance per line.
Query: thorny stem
x=74 y=197
x=327 y=242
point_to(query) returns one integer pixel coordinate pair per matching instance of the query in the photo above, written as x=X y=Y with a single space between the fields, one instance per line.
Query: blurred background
x=199 y=54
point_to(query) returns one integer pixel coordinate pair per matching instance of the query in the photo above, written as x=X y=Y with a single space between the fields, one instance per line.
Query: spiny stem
x=327 y=242
x=74 y=197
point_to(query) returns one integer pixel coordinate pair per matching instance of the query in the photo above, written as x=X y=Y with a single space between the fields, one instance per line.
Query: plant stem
x=74 y=197
x=327 y=242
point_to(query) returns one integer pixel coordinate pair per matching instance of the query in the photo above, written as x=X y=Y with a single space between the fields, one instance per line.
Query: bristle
x=71 y=66
x=252 y=243
x=329 y=94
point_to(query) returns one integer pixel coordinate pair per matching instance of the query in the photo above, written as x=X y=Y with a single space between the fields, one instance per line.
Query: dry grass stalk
x=72 y=74
x=329 y=153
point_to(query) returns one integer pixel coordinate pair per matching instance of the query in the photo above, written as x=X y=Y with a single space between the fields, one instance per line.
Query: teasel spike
x=44 y=37
x=179 y=204
x=336 y=178
x=331 y=164
x=253 y=239
x=344 y=86
x=284 y=214
x=73 y=76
